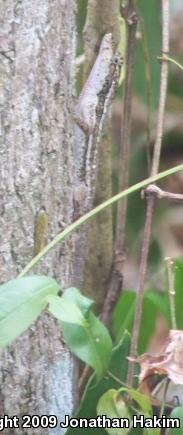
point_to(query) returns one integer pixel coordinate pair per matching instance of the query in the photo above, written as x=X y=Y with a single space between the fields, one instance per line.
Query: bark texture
x=102 y=17
x=37 y=46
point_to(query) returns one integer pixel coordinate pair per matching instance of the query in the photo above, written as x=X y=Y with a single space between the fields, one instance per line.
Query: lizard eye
x=117 y=59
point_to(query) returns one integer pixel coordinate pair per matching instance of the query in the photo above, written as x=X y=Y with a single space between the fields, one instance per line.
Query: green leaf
x=93 y=392
x=160 y=300
x=154 y=303
x=91 y=342
x=21 y=302
x=65 y=310
x=177 y=413
x=85 y=335
x=81 y=301
x=142 y=400
x=112 y=405
x=123 y=315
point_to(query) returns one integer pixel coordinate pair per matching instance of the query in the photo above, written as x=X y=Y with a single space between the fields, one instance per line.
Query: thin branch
x=158 y=193
x=150 y=200
x=83 y=379
x=86 y=373
x=115 y=378
x=171 y=291
x=115 y=279
x=140 y=288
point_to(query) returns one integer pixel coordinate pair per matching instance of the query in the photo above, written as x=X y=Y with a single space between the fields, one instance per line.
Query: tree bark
x=37 y=46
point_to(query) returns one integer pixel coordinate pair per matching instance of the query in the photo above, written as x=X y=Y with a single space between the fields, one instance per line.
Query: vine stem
x=158 y=193
x=115 y=378
x=170 y=59
x=151 y=199
x=72 y=227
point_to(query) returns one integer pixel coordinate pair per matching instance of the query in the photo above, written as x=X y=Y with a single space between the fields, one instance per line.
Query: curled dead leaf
x=166 y=366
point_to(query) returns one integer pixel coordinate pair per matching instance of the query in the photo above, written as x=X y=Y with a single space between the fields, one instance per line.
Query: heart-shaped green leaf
x=81 y=301
x=93 y=391
x=85 y=335
x=21 y=302
x=65 y=310
x=142 y=400
x=112 y=405
x=144 y=404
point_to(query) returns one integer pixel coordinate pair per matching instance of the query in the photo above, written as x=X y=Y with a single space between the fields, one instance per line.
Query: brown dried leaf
x=169 y=361
x=167 y=364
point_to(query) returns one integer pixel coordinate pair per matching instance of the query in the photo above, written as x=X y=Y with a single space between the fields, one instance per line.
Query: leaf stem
x=115 y=378
x=170 y=59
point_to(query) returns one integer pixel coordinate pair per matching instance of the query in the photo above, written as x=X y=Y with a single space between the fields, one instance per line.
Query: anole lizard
x=91 y=110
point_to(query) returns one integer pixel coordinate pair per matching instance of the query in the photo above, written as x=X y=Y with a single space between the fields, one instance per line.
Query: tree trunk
x=37 y=44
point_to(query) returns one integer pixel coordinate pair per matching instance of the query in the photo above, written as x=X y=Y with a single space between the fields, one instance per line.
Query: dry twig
x=156 y=192
x=150 y=200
